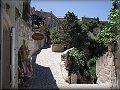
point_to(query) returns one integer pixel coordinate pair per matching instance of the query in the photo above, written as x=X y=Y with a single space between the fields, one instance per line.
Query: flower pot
x=57 y=48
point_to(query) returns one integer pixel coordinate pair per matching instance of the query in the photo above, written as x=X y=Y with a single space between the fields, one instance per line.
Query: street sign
x=37 y=36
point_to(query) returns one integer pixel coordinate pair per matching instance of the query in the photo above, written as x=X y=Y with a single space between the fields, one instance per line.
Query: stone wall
x=108 y=66
x=117 y=61
x=7 y=21
x=11 y=17
x=24 y=32
x=105 y=67
x=63 y=64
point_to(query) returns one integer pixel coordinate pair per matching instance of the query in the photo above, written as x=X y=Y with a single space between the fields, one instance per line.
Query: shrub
x=55 y=36
x=92 y=68
x=92 y=62
x=93 y=74
x=86 y=74
x=76 y=60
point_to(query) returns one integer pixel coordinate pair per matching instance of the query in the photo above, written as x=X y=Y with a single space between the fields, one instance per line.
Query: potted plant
x=55 y=36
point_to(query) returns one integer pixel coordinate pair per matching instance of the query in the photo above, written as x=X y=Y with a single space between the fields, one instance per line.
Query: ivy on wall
x=110 y=31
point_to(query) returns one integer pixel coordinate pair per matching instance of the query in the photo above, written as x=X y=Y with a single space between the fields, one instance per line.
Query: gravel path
x=46 y=71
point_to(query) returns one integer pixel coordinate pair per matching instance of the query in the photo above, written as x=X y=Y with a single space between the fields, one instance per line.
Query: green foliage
x=76 y=59
x=114 y=12
x=88 y=25
x=86 y=74
x=73 y=34
x=113 y=16
x=55 y=36
x=96 y=48
x=92 y=62
x=79 y=64
x=84 y=26
x=76 y=32
x=70 y=17
x=92 y=68
x=107 y=34
x=92 y=25
x=93 y=74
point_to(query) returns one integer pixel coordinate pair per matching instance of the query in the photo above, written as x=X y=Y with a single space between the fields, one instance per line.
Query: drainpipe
x=13 y=64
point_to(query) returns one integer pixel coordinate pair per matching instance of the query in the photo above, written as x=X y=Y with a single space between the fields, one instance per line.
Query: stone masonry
x=12 y=18
x=117 y=62
x=63 y=64
x=107 y=66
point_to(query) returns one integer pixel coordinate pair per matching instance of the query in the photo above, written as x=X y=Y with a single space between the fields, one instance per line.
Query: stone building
x=16 y=32
x=87 y=18
x=50 y=21
x=93 y=19
x=61 y=20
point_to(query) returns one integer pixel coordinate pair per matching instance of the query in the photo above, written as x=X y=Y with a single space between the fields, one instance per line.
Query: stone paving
x=51 y=60
x=47 y=73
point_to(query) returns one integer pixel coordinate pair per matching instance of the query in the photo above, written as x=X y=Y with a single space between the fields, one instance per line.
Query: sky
x=81 y=8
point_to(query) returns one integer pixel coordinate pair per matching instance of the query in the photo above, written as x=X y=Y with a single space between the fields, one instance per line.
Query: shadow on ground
x=46 y=46
x=42 y=77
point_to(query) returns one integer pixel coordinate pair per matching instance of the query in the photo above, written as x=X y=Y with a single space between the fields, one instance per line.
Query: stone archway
x=24 y=64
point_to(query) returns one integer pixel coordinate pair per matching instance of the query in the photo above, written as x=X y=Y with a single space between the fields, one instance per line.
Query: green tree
x=88 y=25
x=69 y=27
x=73 y=34
x=70 y=17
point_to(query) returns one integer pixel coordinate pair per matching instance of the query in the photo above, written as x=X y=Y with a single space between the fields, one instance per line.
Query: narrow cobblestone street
x=46 y=71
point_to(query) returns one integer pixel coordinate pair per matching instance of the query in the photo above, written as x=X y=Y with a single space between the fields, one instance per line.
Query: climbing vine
x=110 y=31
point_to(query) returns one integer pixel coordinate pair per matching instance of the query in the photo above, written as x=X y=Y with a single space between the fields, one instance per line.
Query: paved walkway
x=47 y=73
